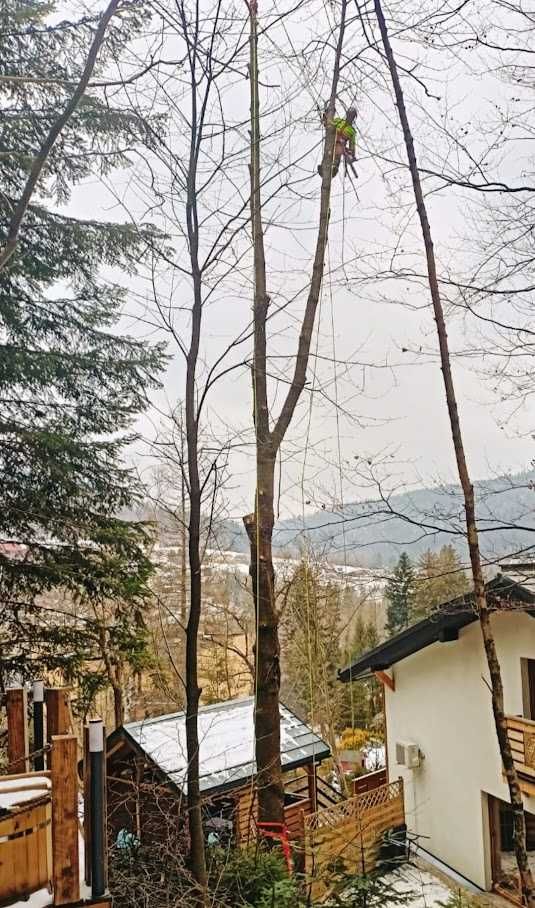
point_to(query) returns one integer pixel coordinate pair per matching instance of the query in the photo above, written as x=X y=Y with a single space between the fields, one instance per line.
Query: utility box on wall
x=408 y=754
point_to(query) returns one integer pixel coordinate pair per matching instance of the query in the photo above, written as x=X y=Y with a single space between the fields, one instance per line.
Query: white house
x=437 y=697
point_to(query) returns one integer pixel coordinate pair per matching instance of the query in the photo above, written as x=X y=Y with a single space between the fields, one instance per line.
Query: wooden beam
x=386 y=679
x=310 y=769
x=58 y=712
x=65 y=868
x=17 y=729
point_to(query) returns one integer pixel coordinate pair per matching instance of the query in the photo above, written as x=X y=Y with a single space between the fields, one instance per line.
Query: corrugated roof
x=226 y=743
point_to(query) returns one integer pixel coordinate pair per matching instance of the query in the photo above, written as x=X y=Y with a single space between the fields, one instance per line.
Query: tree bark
x=259 y=526
x=481 y=603
x=118 y=706
x=193 y=691
x=183 y=569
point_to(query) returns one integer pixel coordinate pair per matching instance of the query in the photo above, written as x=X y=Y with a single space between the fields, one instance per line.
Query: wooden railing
x=293 y=817
x=369 y=781
x=521 y=734
x=326 y=795
x=387 y=800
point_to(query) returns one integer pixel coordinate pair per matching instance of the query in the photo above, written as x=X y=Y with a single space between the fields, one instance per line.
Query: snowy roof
x=226 y=743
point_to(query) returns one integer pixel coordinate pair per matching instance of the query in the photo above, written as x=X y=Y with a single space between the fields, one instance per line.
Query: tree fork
x=493 y=664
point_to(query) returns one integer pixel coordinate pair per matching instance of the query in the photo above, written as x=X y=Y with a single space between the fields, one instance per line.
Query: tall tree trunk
x=259 y=528
x=118 y=705
x=259 y=525
x=466 y=484
x=183 y=567
x=193 y=692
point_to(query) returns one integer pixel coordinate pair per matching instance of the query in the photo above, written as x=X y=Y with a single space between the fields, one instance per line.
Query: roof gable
x=443 y=625
x=226 y=743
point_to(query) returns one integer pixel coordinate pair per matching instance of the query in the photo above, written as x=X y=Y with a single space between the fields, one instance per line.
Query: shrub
x=354 y=738
x=283 y=894
x=245 y=876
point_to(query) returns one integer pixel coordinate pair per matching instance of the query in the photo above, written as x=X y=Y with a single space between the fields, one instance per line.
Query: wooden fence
x=246 y=816
x=348 y=835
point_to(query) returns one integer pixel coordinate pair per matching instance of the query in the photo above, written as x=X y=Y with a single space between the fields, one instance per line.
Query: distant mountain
x=375 y=532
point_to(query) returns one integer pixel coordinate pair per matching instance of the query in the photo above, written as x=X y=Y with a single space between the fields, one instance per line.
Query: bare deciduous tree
x=482 y=607
x=270 y=432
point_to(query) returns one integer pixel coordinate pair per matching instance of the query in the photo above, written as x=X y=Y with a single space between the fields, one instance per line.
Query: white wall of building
x=442 y=703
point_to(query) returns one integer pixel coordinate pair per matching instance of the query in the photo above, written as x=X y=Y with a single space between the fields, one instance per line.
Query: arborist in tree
x=345 y=140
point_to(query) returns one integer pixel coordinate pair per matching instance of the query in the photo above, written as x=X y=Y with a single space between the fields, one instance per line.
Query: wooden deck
x=521 y=733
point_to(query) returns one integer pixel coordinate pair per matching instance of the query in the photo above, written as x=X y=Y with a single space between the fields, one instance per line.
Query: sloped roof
x=226 y=743
x=442 y=626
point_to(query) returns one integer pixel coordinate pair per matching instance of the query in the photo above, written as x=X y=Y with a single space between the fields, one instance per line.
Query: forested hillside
x=375 y=532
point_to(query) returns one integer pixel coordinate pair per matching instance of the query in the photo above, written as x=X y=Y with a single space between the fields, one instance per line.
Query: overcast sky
x=391 y=403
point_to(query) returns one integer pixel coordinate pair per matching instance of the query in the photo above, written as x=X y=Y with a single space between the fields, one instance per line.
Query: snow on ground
x=428 y=890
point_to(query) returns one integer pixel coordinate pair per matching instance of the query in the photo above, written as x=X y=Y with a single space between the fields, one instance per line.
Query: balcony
x=521 y=733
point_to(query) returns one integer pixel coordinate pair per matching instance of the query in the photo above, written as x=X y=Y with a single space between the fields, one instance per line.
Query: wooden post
x=312 y=786
x=65 y=869
x=17 y=729
x=58 y=712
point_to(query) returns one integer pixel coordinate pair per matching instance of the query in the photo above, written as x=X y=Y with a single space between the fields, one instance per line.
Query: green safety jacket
x=345 y=131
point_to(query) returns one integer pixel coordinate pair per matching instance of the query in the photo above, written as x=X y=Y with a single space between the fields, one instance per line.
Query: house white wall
x=442 y=703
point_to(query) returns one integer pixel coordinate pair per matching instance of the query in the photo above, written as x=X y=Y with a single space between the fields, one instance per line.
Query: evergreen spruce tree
x=362 y=699
x=400 y=595
x=311 y=649
x=70 y=385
